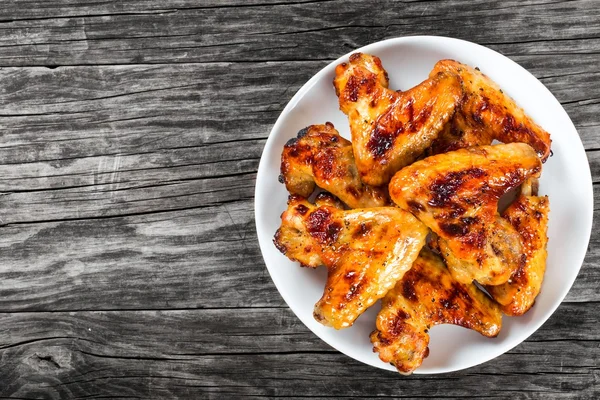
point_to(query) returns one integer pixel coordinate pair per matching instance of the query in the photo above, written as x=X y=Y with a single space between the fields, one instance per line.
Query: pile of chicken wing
x=407 y=212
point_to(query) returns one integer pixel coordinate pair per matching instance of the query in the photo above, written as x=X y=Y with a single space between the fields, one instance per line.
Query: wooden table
x=130 y=135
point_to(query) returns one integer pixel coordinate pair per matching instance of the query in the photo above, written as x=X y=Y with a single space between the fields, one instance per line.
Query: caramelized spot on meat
x=302 y=132
x=416 y=124
x=443 y=188
x=454 y=229
x=355 y=57
x=291 y=142
x=475 y=239
x=362 y=230
x=301 y=209
x=278 y=242
x=408 y=289
x=508 y=125
x=476 y=116
x=352 y=87
x=321 y=227
x=326 y=164
x=415 y=206
x=355 y=290
x=446 y=303
x=458 y=229
x=398 y=324
x=485 y=103
x=382 y=140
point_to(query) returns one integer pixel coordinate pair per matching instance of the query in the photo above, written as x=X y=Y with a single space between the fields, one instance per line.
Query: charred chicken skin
x=319 y=156
x=391 y=129
x=428 y=295
x=456 y=195
x=486 y=113
x=528 y=214
x=366 y=251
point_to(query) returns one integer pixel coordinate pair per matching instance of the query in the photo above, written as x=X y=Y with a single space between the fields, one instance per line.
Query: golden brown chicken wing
x=456 y=195
x=319 y=156
x=366 y=251
x=529 y=216
x=391 y=129
x=426 y=296
x=486 y=113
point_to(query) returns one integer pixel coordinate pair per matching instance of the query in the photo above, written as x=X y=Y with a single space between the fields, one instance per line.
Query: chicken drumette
x=319 y=156
x=426 y=296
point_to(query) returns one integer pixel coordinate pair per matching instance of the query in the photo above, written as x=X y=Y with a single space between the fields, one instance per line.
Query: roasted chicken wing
x=528 y=214
x=319 y=156
x=366 y=251
x=486 y=113
x=391 y=129
x=426 y=296
x=456 y=195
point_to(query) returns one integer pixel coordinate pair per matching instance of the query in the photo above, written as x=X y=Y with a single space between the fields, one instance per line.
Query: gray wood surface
x=130 y=136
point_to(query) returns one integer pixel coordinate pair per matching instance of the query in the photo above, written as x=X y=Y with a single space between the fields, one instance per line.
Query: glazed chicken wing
x=391 y=129
x=456 y=195
x=319 y=156
x=528 y=214
x=486 y=113
x=366 y=251
x=426 y=296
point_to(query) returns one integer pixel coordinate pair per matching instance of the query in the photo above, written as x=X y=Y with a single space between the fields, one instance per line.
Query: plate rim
x=259 y=197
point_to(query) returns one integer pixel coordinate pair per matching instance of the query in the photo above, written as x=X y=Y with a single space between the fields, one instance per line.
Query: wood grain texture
x=190 y=31
x=130 y=136
x=188 y=352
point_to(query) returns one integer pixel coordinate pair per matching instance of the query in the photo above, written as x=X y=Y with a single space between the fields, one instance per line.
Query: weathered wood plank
x=245 y=330
x=35 y=9
x=163 y=191
x=149 y=32
x=216 y=353
x=299 y=375
x=72 y=113
x=205 y=256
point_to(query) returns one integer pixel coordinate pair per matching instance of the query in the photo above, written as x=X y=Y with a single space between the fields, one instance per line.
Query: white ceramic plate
x=566 y=179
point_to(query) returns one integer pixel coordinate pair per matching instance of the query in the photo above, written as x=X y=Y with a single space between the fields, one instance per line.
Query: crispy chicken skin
x=528 y=214
x=319 y=156
x=391 y=129
x=426 y=296
x=456 y=195
x=366 y=251
x=486 y=113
